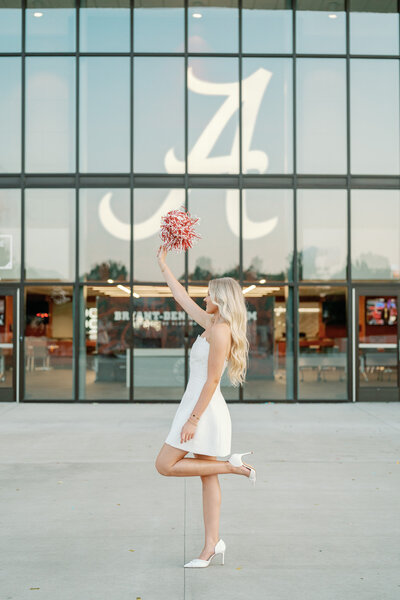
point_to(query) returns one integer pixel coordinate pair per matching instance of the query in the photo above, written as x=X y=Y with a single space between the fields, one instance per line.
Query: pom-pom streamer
x=177 y=230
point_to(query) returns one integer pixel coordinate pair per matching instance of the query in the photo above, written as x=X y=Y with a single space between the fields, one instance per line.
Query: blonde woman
x=202 y=423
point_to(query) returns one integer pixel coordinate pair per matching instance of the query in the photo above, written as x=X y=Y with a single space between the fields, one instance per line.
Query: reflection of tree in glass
x=204 y=271
x=372 y=266
x=108 y=270
x=255 y=271
x=310 y=257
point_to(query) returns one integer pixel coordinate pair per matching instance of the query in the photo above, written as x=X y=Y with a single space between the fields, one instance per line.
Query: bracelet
x=192 y=422
x=195 y=416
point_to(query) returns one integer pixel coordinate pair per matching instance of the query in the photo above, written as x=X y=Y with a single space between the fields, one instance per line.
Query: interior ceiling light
x=333 y=16
x=197 y=15
x=38 y=14
x=262 y=281
x=251 y=287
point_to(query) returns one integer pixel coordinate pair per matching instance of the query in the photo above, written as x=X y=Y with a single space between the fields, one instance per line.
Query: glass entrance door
x=8 y=345
x=377 y=344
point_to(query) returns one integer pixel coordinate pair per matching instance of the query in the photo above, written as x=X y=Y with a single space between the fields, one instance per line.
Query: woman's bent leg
x=170 y=462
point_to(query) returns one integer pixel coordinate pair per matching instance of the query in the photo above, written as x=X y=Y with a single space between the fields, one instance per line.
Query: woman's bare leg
x=211 y=509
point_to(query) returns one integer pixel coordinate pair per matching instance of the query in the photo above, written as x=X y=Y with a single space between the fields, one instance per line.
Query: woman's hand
x=188 y=431
x=161 y=255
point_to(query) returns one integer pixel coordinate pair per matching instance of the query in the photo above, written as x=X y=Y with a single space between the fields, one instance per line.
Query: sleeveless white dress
x=214 y=430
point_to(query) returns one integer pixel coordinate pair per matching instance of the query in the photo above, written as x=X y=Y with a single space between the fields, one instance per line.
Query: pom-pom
x=177 y=230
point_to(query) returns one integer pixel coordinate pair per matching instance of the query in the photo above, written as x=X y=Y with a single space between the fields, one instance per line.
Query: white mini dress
x=214 y=430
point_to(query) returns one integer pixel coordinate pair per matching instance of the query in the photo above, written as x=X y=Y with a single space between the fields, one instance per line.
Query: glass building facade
x=276 y=123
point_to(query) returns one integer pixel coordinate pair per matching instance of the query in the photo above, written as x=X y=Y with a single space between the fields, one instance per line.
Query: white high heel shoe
x=236 y=461
x=199 y=562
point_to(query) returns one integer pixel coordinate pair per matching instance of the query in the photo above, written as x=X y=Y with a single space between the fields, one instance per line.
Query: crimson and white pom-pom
x=177 y=230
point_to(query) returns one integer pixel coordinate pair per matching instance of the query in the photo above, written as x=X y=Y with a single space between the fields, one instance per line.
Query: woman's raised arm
x=180 y=294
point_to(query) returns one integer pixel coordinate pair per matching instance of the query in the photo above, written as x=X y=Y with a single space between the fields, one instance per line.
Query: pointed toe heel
x=220 y=547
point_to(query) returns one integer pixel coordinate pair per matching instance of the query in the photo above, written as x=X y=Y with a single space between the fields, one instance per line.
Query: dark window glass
x=219 y=213
x=149 y=205
x=104 y=115
x=321 y=115
x=10 y=235
x=105 y=333
x=49 y=347
x=159 y=27
x=270 y=329
x=50 y=234
x=213 y=26
x=159 y=115
x=267 y=115
x=104 y=26
x=267 y=225
x=322 y=343
x=266 y=27
x=10 y=115
x=213 y=100
x=50 y=114
x=374 y=116
x=375 y=234
x=159 y=344
x=322 y=234
x=104 y=234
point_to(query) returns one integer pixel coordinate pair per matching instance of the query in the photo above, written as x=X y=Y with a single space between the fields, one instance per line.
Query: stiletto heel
x=220 y=547
x=236 y=461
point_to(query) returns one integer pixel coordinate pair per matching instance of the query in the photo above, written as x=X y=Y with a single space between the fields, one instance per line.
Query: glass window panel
x=50 y=114
x=198 y=294
x=104 y=26
x=218 y=210
x=267 y=224
x=266 y=27
x=320 y=27
x=270 y=333
x=159 y=115
x=149 y=205
x=50 y=29
x=375 y=234
x=374 y=32
x=322 y=343
x=213 y=100
x=10 y=26
x=10 y=115
x=159 y=28
x=159 y=344
x=10 y=235
x=374 y=122
x=105 y=338
x=49 y=347
x=322 y=234
x=104 y=115
x=267 y=115
x=104 y=234
x=50 y=234
x=321 y=115
x=213 y=26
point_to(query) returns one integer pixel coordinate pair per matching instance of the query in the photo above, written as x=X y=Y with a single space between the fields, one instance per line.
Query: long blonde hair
x=227 y=294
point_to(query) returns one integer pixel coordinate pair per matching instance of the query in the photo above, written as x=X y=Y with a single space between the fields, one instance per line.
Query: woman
x=202 y=422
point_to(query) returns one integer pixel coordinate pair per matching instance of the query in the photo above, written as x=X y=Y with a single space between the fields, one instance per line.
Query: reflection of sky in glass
x=321 y=115
x=267 y=233
x=218 y=250
x=322 y=233
x=266 y=31
x=10 y=234
x=374 y=33
x=375 y=224
x=158 y=29
x=267 y=115
x=10 y=30
x=320 y=32
x=149 y=205
x=104 y=29
x=159 y=114
x=374 y=116
x=104 y=114
x=50 y=234
x=50 y=114
x=215 y=31
x=213 y=115
x=10 y=115
x=104 y=233
x=54 y=31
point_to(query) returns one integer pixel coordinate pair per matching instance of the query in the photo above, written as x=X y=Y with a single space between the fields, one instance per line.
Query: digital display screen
x=381 y=311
